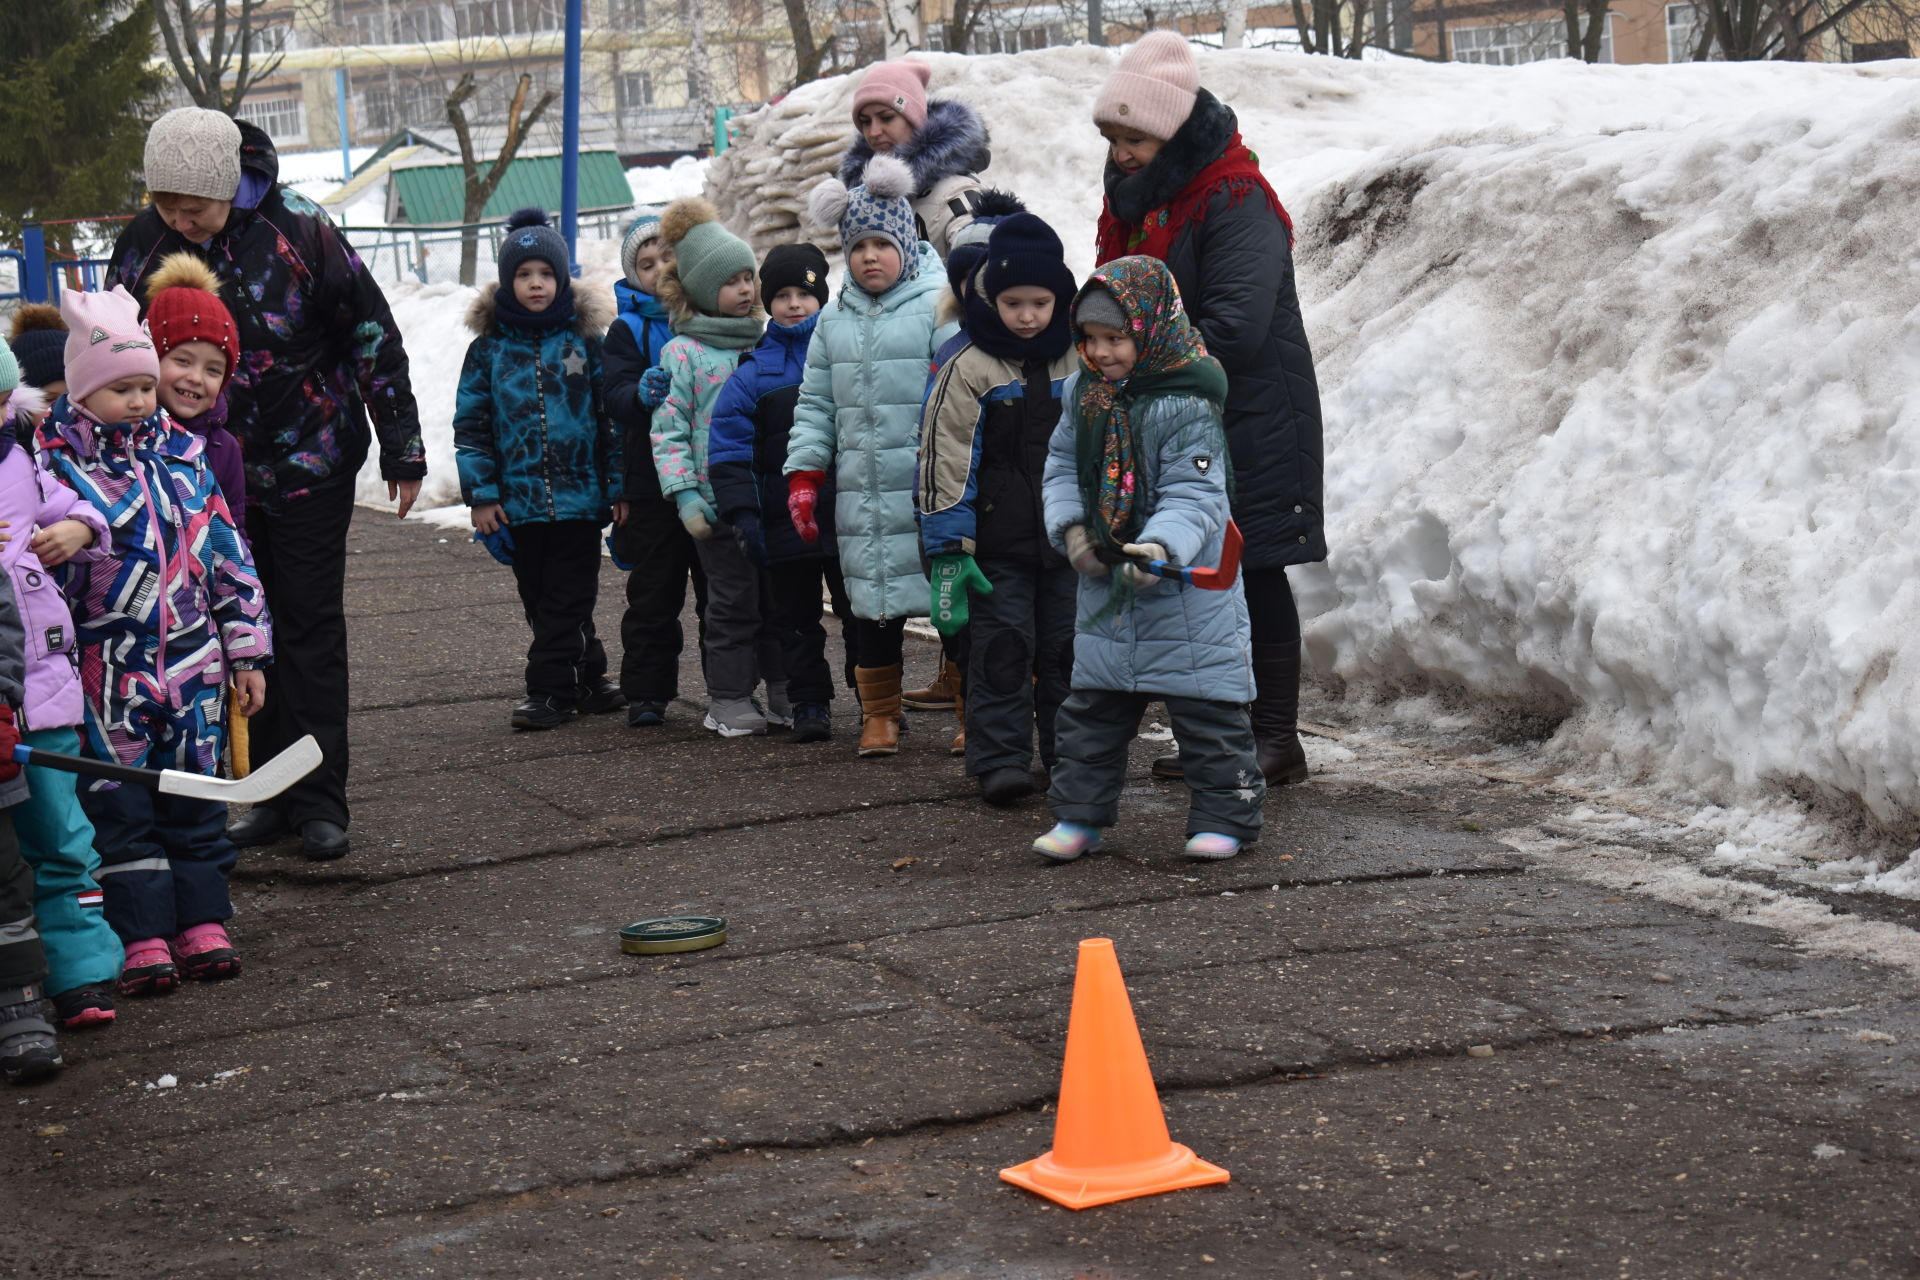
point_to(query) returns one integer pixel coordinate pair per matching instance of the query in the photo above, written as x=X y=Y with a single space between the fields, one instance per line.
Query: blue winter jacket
x=530 y=428
x=633 y=345
x=1171 y=640
x=747 y=443
x=859 y=416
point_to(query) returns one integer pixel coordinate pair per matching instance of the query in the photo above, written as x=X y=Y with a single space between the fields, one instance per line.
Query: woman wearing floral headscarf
x=1137 y=471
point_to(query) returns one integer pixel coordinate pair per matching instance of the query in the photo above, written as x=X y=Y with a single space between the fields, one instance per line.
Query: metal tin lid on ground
x=671 y=934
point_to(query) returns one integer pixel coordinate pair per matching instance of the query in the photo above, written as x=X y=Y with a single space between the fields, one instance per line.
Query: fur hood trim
x=592 y=310
x=953 y=141
x=27 y=403
x=672 y=295
x=949 y=310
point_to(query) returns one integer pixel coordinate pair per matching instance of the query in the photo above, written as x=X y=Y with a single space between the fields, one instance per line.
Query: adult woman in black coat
x=1182 y=187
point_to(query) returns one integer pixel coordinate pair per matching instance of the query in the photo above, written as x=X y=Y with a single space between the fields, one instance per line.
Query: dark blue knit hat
x=530 y=235
x=1024 y=250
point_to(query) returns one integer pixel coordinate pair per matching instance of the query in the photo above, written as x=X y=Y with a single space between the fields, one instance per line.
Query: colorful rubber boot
x=149 y=970
x=204 y=953
x=1210 y=846
x=84 y=1007
x=1067 y=841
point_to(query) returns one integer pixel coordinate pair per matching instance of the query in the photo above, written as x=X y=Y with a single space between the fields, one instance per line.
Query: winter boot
x=541 y=713
x=1067 y=841
x=1276 y=709
x=812 y=722
x=779 y=709
x=1001 y=787
x=646 y=715
x=959 y=747
x=735 y=717
x=28 y=1046
x=879 y=710
x=149 y=969
x=1169 y=767
x=204 y=953
x=939 y=695
x=1211 y=846
x=88 y=1005
x=601 y=696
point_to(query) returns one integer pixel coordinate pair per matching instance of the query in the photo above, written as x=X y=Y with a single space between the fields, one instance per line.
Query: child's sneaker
x=205 y=953
x=28 y=1047
x=735 y=718
x=542 y=713
x=79 y=1008
x=779 y=710
x=1210 y=846
x=1067 y=841
x=812 y=722
x=148 y=970
x=599 y=697
x=646 y=715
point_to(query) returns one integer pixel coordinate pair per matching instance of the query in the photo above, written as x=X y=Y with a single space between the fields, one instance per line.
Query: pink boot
x=149 y=969
x=204 y=953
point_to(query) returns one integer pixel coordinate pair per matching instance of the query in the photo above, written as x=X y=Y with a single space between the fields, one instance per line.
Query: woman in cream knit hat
x=1182 y=187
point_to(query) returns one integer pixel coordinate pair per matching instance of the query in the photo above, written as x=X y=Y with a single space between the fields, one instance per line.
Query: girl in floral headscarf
x=1138 y=471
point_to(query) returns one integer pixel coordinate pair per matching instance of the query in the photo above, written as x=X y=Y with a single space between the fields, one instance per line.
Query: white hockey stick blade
x=264 y=783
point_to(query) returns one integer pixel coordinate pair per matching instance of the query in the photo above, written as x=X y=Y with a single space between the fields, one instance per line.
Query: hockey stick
x=1218 y=578
x=263 y=783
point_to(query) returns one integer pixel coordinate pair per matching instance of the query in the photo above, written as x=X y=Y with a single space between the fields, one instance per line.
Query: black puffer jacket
x=1235 y=272
x=319 y=350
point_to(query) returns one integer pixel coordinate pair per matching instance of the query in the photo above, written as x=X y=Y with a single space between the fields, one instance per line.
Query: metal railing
x=431 y=255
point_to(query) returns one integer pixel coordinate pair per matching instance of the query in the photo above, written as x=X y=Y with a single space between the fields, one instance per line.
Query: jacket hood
x=592 y=311
x=782 y=338
x=638 y=302
x=1195 y=145
x=929 y=278
x=953 y=140
x=259 y=166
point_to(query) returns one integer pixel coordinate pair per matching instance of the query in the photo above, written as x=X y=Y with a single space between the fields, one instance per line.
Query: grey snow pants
x=1096 y=726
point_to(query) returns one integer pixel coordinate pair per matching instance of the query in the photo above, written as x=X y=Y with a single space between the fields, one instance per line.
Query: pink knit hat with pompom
x=900 y=85
x=1153 y=88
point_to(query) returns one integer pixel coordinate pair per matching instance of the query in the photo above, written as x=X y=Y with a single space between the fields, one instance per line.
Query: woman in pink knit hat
x=1182 y=187
x=943 y=142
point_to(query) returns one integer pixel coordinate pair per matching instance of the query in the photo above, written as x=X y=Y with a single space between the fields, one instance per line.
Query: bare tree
x=1337 y=27
x=1585 y=45
x=1750 y=30
x=480 y=185
x=207 y=44
x=809 y=53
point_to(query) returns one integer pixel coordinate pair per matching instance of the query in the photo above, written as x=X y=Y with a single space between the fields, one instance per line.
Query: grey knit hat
x=1097 y=306
x=192 y=151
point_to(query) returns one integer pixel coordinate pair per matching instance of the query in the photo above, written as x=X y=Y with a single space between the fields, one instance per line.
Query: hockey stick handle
x=110 y=769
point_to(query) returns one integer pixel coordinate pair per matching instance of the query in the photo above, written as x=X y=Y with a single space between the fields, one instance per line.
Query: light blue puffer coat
x=1171 y=640
x=859 y=414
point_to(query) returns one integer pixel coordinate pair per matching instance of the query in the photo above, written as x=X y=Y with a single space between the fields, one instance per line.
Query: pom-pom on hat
x=793 y=266
x=1153 y=88
x=194 y=151
x=183 y=305
x=105 y=342
x=967 y=247
x=39 y=339
x=900 y=85
x=644 y=227
x=531 y=235
x=705 y=254
x=877 y=207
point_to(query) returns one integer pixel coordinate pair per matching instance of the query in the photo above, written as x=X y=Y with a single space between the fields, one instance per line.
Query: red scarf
x=1236 y=171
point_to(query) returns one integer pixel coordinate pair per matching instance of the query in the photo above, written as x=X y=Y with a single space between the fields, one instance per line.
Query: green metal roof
x=434 y=193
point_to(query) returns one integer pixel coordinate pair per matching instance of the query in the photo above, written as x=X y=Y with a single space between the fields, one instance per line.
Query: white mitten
x=1080 y=552
x=1134 y=575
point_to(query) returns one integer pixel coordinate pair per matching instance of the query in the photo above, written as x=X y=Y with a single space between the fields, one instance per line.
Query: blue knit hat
x=877 y=208
x=530 y=235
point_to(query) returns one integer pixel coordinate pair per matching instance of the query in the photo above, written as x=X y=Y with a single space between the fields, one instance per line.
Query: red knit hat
x=900 y=85
x=184 y=306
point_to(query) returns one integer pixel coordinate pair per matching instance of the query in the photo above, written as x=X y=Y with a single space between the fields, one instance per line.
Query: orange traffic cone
x=1110 y=1137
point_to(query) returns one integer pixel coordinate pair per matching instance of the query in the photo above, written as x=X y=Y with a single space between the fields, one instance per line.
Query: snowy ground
x=1619 y=370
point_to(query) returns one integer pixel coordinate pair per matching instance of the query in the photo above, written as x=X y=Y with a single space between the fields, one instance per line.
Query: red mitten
x=803 y=491
x=9 y=739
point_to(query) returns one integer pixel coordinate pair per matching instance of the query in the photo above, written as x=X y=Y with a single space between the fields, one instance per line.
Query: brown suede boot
x=879 y=709
x=938 y=696
x=959 y=747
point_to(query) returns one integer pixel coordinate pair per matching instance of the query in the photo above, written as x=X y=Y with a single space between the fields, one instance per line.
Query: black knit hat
x=530 y=235
x=1024 y=250
x=793 y=266
x=39 y=341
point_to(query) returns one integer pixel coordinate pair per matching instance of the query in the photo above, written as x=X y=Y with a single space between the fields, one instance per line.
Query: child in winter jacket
x=942 y=141
x=539 y=462
x=46 y=525
x=709 y=295
x=38 y=340
x=165 y=620
x=859 y=413
x=29 y=1048
x=983 y=447
x=199 y=348
x=1137 y=471
x=653 y=546
x=747 y=446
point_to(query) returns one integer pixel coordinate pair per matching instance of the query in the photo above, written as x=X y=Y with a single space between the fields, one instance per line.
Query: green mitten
x=953 y=577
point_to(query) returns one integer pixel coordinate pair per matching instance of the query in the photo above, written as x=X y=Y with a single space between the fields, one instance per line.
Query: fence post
x=721 y=115
x=34 y=278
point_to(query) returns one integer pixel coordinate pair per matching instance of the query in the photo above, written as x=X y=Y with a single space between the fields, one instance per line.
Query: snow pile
x=657 y=184
x=1618 y=366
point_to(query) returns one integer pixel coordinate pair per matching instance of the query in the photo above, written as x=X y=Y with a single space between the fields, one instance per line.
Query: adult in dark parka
x=319 y=355
x=1182 y=187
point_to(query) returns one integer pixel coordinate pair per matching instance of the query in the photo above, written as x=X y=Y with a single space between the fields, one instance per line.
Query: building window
x=408 y=103
x=632 y=90
x=1683 y=31
x=284 y=119
x=411 y=24
x=999 y=40
x=627 y=15
x=1880 y=51
x=506 y=17
x=1510 y=44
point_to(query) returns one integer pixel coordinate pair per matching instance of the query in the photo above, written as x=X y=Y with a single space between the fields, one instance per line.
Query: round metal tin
x=672 y=933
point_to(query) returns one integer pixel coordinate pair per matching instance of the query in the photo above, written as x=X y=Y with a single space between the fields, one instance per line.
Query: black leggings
x=1270 y=606
x=879 y=643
